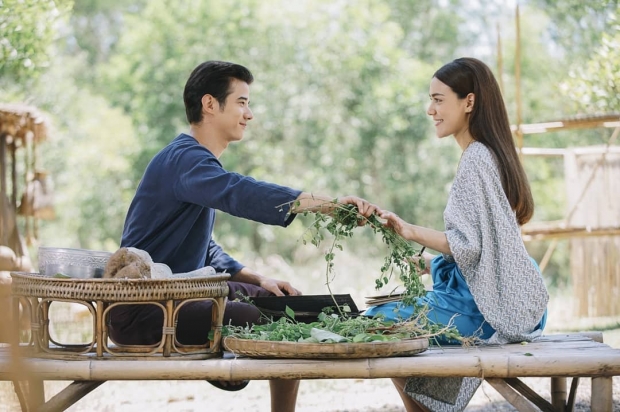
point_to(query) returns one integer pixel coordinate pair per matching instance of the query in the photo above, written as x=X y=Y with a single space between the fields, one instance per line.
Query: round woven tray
x=118 y=290
x=297 y=350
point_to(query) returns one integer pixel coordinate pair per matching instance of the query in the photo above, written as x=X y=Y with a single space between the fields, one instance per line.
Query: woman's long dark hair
x=488 y=124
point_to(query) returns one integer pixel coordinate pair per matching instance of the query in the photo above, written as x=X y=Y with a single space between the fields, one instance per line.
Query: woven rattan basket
x=118 y=290
x=99 y=296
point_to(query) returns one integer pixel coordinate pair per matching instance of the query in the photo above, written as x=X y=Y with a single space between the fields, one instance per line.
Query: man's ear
x=209 y=104
x=470 y=101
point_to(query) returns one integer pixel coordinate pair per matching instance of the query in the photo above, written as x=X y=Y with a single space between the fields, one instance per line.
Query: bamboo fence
x=595 y=260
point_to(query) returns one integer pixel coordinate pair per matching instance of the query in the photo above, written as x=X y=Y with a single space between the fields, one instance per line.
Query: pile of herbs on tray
x=333 y=328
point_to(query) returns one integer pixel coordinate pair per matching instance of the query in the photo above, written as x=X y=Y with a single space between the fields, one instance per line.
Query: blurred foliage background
x=339 y=100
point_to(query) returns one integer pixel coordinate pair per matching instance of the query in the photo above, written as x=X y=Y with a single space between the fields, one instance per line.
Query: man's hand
x=364 y=207
x=307 y=202
x=279 y=287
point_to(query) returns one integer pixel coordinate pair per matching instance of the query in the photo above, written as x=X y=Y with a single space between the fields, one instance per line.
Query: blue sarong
x=450 y=296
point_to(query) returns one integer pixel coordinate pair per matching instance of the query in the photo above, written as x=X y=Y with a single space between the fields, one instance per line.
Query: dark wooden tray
x=306 y=307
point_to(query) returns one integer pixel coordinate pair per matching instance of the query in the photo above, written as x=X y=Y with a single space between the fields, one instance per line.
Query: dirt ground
x=343 y=395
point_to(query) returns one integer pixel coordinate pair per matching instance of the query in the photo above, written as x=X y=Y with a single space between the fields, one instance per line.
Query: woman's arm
x=431 y=238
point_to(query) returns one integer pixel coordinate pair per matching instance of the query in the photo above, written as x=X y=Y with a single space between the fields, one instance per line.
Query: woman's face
x=450 y=114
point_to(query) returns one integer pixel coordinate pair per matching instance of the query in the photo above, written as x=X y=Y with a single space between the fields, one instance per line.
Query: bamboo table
x=556 y=356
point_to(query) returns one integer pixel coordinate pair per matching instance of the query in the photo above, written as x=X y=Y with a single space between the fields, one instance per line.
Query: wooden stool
x=101 y=295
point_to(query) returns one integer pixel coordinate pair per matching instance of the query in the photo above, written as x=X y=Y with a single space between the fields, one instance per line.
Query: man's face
x=231 y=120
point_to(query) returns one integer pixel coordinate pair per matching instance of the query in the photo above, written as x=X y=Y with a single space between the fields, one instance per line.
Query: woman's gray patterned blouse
x=485 y=240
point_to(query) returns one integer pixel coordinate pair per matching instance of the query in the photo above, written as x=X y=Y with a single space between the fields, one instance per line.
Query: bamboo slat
x=69 y=395
x=520 y=403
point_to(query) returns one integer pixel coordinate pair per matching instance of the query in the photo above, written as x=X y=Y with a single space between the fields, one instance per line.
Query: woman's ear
x=470 y=100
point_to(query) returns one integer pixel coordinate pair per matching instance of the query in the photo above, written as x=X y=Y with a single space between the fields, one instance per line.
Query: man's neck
x=208 y=140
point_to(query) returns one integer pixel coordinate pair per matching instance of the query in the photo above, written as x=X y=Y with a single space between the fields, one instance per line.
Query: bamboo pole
x=500 y=62
x=554 y=361
x=69 y=395
x=519 y=131
x=602 y=394
x=558 y=393
x=516 y=400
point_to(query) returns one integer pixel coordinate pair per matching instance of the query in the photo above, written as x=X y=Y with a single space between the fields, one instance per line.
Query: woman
x=484 y=274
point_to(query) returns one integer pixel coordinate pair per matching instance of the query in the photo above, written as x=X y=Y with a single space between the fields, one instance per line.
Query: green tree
x=88 y=154
x=27 y=29
x=595 y=87
x=576 y=26
x=587 y=32
x=339 y=106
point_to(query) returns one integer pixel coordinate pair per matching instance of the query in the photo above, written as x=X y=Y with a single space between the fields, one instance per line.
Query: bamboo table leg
x=30 y=394
x=602 y=394
x=69 y=395
x=558 y=393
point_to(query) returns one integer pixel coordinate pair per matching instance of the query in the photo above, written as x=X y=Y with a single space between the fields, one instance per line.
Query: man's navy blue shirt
x=173 y=212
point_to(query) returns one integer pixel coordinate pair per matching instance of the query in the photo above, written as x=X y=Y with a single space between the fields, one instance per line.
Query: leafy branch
x=341 y=222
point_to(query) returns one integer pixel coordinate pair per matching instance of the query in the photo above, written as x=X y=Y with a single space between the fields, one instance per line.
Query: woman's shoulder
x=478 y=150
x=478 y=155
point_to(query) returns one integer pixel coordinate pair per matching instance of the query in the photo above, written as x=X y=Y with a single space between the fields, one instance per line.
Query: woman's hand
x=430 y=238
x=426 y=259
x=397 y=224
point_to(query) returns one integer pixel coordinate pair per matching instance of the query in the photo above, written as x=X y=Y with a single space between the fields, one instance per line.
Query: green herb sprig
x=341 y=223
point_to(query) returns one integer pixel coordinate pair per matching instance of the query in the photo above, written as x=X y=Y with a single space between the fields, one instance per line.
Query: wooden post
x=3 y=163
x=602 y=394
x=558 y=393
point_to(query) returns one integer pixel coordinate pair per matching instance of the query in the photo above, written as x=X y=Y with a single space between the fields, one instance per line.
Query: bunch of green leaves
x=401 y=255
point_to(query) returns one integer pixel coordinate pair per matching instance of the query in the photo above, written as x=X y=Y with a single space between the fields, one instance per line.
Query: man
x=173 y=213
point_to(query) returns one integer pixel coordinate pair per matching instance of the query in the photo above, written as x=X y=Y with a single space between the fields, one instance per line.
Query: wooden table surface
x=554 y=355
